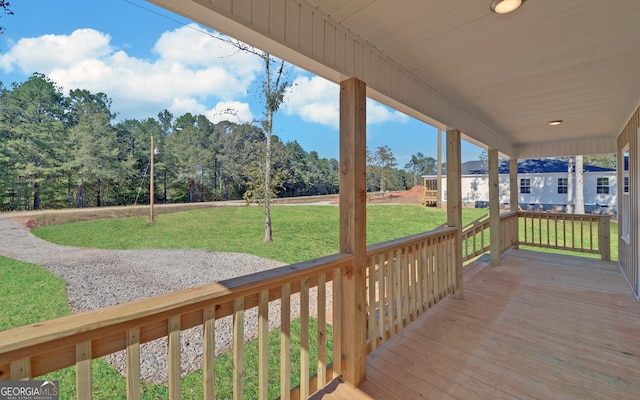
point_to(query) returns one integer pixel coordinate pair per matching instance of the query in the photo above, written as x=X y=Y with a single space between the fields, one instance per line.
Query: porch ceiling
x=453 y=63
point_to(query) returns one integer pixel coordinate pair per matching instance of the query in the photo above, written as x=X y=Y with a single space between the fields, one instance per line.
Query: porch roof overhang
x=499 y=79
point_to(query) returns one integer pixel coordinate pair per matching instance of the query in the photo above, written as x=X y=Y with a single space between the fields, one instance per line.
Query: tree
x=31 y=119
x=570 y=173
x=4 y=5
x=383 y=162
x=94 y=148
x=420 y=165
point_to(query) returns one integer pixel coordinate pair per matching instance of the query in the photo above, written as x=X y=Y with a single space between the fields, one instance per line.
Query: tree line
x=66 y=151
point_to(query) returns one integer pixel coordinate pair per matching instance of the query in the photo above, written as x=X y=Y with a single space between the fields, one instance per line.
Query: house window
x=626 y=184
x=562 y=185
x=525 y=185
x=602 y=186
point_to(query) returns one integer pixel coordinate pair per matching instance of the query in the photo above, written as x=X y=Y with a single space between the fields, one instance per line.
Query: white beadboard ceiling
x=454 y=63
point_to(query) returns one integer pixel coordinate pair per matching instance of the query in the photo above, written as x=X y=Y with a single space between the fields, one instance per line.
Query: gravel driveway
x=99 y=278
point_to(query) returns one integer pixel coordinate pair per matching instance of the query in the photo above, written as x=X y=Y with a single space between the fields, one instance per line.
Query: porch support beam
x=353 y=192
x=513 y=184
x=513 y=198
x=439 y=169
x=454 y=201
x=494 y=209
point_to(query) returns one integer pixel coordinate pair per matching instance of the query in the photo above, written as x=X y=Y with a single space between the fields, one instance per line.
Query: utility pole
x=151 y=185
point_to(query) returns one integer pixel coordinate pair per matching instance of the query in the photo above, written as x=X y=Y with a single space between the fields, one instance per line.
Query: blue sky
x=147 y=59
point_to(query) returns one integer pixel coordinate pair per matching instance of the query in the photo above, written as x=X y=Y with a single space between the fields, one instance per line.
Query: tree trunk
x=80 y=196
x=570 y=208
x=579 y=185
x=268 y=234
x=191 y=190
x=36 y=195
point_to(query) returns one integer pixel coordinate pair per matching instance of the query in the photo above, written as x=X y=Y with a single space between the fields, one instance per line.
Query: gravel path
x=99 y=278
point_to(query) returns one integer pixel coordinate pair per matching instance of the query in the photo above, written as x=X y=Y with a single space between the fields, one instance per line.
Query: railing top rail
x=508 y=214
x=386 y=246
x=565 y=216
x=480 y=221
x=124 y=316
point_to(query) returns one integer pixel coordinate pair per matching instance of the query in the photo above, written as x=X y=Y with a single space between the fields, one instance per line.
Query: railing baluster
x=209 y=352
x=174 y=367
x=382 y=295
x=21 y=369
x=133 y=364
x=411 y=262
x=441 y=265
x=337 y=324
x=83 y=370
x=285 y=340
x=420 y=261
x=371 y=303
x=238 y=348
x=404 y=283
x=322 y=330
x=430 y=280
x=263 y=345
x=391 y=286
x=304 y=338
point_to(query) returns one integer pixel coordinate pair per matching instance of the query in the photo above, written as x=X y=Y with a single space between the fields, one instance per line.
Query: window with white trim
x=525 y=185
x=602 y=185
x=563 y=185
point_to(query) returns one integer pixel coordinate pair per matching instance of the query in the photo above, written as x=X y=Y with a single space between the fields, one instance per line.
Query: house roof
x=499 y=79
x=530 y=166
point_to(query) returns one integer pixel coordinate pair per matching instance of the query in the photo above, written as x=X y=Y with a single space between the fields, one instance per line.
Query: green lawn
x=300 y=232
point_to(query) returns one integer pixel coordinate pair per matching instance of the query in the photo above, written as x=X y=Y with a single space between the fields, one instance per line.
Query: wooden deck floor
x=540 y=326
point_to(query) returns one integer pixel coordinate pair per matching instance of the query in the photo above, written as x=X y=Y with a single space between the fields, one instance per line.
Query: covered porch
x=408 y=320
x=539 y=326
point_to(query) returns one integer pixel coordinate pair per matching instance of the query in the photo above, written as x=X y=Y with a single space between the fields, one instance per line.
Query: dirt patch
x=27 y=222
x=410 y=196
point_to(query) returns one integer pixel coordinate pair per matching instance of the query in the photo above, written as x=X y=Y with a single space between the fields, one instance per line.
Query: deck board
x=540 y=326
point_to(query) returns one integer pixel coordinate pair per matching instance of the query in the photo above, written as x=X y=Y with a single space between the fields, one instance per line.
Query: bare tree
x=570 y=207
x=273 y=89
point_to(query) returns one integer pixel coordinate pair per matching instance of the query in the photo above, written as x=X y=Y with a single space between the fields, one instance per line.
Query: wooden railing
x=475 y=238
x=405 y=277
x=509 y=230
x=31 y=351
x=584 y=233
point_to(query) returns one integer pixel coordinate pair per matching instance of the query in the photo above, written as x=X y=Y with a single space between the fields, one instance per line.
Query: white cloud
x=315 y=99
x=378 y=114
x=191 y=73
x=48 y=52
x=233 y=111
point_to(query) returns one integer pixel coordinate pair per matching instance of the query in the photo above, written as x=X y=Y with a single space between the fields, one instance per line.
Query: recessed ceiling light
x=505 y=6
x=555 y=122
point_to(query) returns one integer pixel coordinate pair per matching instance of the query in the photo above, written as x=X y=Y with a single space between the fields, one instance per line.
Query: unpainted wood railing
x=584 y=233
x=34 y=350
x=475 y=238
x=405 y=277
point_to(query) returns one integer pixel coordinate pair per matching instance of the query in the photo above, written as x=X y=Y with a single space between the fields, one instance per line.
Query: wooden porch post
x=353 y=198
x=439 y=169
x=513 y=198
x=494 y=208
x=454 y=201
x=513 y=184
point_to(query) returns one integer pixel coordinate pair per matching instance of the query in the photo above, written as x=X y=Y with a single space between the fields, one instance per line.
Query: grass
x=29 y=294
x=300 y=232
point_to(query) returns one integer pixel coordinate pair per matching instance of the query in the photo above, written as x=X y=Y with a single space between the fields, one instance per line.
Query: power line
x=171 y=19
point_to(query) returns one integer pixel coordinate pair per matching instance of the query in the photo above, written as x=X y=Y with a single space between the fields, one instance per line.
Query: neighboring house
x=542 y=185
